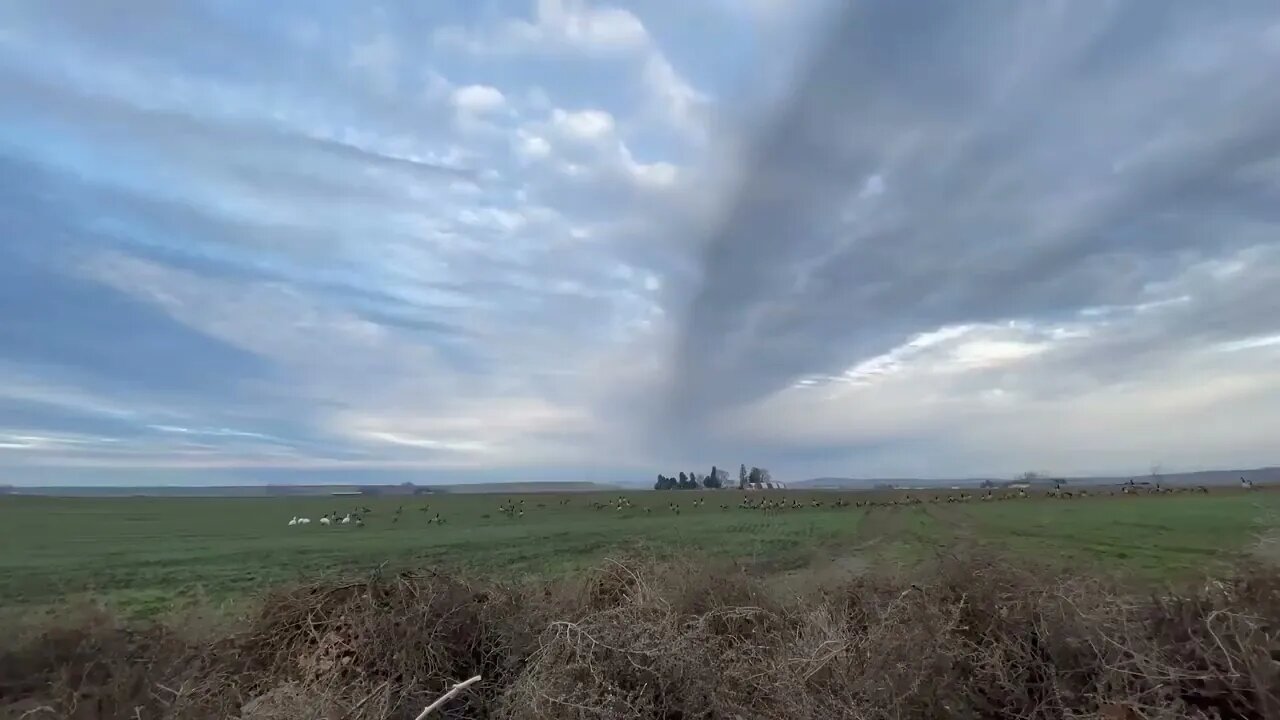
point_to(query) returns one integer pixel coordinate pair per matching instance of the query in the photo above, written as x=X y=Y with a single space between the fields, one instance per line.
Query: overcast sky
x=568 y=240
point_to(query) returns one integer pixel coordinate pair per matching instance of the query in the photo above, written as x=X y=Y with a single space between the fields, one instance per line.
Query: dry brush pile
x=634 y=640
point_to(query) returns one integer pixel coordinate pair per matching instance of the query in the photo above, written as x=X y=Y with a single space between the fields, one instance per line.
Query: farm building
x=771 y=485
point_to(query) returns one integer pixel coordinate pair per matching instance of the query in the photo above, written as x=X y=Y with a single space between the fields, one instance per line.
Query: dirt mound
x=632 y=639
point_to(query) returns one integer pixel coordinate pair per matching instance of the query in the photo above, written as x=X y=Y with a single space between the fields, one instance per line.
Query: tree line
x=716 y=479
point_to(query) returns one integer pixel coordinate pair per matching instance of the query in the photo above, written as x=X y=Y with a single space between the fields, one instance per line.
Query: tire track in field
x=897 y=534
x=875 y=527
x=852 y=556
x=897 y=530
x=955 y=519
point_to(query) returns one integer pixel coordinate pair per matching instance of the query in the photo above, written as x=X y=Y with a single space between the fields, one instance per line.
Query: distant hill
x=1260 y=476
x=260 y=491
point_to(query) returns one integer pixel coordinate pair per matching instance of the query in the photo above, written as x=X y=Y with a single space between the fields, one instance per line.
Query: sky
x=566 y=240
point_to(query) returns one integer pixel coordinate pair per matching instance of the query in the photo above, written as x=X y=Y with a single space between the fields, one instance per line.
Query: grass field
x=142 y=554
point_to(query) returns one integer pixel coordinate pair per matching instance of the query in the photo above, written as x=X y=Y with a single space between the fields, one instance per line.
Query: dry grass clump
x=975 y=639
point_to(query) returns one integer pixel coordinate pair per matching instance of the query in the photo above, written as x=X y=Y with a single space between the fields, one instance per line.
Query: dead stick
x=445 y=697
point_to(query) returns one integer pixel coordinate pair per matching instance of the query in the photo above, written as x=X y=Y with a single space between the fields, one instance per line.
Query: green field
x=145 y=553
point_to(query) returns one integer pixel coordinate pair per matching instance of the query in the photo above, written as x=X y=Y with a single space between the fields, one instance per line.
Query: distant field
x=144 y=553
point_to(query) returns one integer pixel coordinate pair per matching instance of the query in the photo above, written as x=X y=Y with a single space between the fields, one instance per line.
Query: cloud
x=679 y=101
x=377 y=59
x=577 y=23
x=478 y=99
x=105 y=336
x=326 y=354
x=284 y=254
x=999 y=194
x=571 y=240
x=596 y=32
x=583 y=125
x=531 y=146
x=573 y=24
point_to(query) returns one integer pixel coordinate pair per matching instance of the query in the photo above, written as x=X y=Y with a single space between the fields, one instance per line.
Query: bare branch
x=445 y=698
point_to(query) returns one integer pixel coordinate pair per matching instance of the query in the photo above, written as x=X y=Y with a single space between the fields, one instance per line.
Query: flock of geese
x=516 y=509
